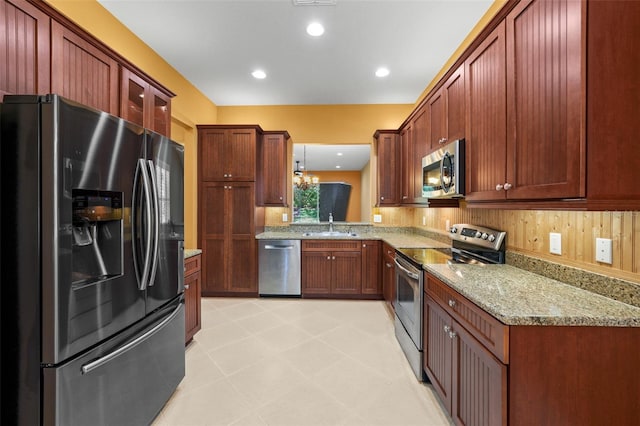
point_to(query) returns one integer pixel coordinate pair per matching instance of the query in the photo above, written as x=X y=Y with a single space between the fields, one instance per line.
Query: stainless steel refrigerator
x=92 y=302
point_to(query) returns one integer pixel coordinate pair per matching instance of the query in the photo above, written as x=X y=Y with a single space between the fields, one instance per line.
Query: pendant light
x=300 y=178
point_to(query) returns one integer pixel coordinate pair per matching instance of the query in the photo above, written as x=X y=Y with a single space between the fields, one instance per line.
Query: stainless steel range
x=471 y=244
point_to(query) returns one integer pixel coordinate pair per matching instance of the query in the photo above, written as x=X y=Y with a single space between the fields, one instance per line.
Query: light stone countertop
x=396 y=240
x=518 y=297
x=191 y=252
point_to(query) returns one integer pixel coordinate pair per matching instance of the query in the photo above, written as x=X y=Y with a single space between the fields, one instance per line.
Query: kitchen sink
x=329 y=234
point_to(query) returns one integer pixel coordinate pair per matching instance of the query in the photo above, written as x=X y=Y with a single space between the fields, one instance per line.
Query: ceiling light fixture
x=339 y=154
x=382 y=72
x=259 y=74
x=315 y=29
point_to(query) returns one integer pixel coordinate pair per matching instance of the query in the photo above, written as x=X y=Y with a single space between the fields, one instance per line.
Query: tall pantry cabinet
x=228 y=215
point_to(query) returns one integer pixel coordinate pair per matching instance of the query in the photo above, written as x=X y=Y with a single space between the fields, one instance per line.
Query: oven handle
x=406 y=271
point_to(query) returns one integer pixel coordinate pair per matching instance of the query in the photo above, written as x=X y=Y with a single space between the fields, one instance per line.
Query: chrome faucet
x=330 y=222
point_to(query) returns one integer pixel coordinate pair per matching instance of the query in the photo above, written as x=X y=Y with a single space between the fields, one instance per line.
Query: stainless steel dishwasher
x=279 y=268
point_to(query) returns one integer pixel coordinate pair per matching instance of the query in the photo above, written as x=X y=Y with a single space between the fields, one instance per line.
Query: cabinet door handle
x=333 y=258
x=328 y=257
x=452 y=334
x=382 y=198
x=186 y=286
x=225 y=175
x=442 y=140
x=507 y=186
x=364 y=245
x=452 y=303
x=447 y=329
x=388 y=265
x=499 y=187
x=230 y=175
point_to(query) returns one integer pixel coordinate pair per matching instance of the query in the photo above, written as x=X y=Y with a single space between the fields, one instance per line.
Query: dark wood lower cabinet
x=388 y=274
x=487 y=373
x=371 y=268
x=192 y=283
x=331 y=268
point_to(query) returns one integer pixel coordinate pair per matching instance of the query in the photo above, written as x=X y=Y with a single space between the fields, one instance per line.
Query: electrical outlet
x=424 y=220
x=603 y=250
x=285 y=217
x=377 y=218
x=447 y=225
x=555 y=243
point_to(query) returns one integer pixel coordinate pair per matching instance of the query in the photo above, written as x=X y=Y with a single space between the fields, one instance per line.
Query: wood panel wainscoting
x=528 y=232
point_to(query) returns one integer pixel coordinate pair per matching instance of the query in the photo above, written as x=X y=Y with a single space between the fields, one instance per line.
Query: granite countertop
x=518 y=297
x=191 y=252
x=396 y=240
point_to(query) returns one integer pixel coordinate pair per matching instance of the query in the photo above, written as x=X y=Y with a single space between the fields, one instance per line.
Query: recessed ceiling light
x=337 y=167
x=382 y=72
x=339 y=154
x=259 y=74
x=315 y=29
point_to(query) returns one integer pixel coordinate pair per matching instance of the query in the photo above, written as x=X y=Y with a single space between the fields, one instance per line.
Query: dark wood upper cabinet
x=486 y=116
x=82 y=72
x=613 y=90
x=545 y=100
x=24 y=49
x=388 y=167
x=446 y=112
x=144 y=104
x=437 y=129
x=227 y=153
x=453 y=92
x=406 y=164
x=273 y=183
x=421 y=147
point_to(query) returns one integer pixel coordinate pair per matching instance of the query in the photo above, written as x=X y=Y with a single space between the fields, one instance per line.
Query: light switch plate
x=603 y=250
x=377 y=218
x=555 y=243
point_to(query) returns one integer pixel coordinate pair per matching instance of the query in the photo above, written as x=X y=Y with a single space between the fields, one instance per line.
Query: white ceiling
x=216 y=44
x=325 y=157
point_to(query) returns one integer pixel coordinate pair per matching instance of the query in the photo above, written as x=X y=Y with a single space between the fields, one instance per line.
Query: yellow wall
x=326 y=124
x=188 y=107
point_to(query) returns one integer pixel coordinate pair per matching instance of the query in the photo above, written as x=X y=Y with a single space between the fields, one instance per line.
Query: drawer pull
x=452 y=335
x=447 y=329
x=452 y=303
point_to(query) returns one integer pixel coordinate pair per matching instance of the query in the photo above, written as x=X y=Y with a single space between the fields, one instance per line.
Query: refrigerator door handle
x=156 y=223
x=134 y=228
x=149 y=224
x=90 y=366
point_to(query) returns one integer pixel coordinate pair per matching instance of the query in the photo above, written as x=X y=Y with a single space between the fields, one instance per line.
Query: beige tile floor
x=298 y=362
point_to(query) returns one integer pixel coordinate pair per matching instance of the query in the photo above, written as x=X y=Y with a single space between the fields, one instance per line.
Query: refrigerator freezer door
x=125 y=381
x=88 y=160
x=166 y=161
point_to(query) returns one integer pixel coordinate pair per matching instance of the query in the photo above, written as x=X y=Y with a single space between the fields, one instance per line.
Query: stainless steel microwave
x=443 y=172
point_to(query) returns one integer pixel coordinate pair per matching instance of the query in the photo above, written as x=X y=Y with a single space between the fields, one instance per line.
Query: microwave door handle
x=442 y=185
x=156 y=223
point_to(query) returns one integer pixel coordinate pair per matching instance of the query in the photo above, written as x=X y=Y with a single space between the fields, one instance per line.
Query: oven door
x=408 y=300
